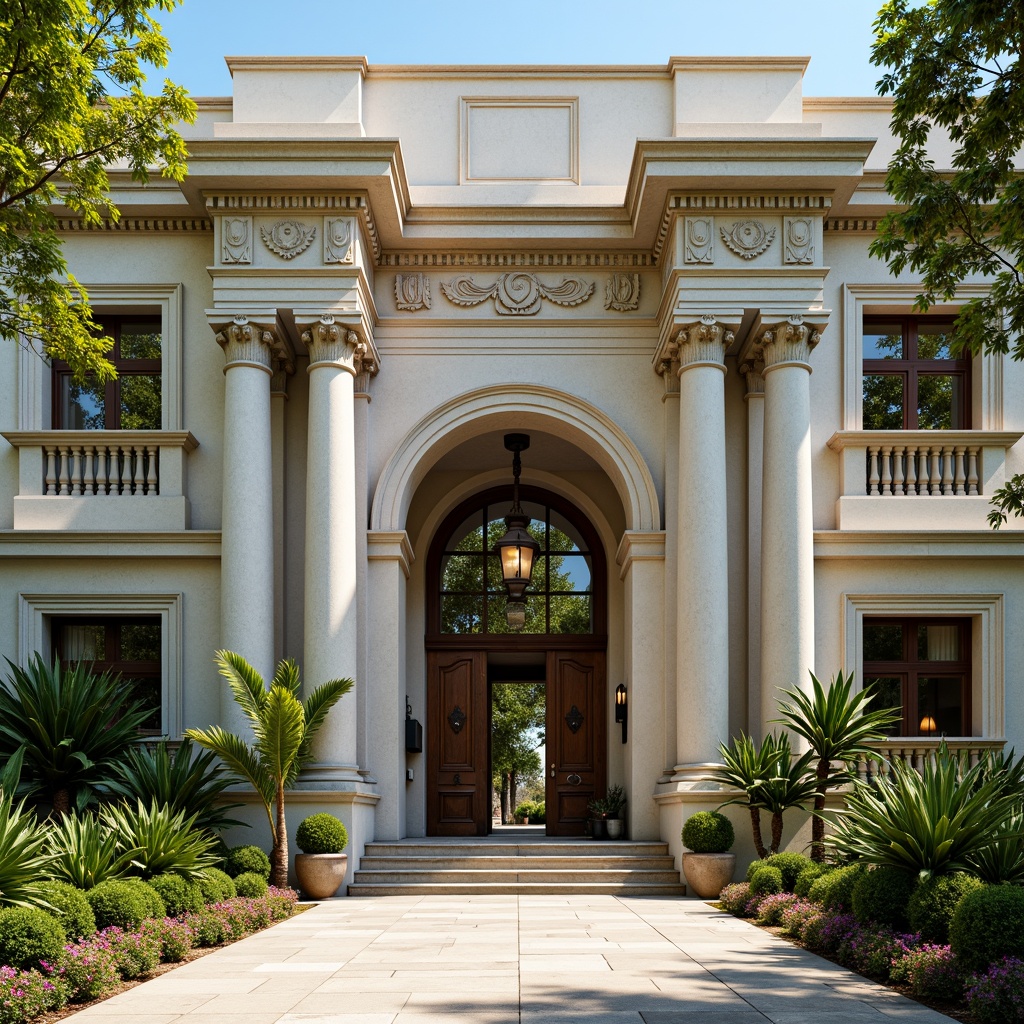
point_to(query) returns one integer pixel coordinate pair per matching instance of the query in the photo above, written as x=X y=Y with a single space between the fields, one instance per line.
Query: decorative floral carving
x=457 y=719
x=288 y=238
x=699 y=240
x=338 y=240
x=799 y=232
x=517 y=294
x=236 y=240
x=748 y=238
x=622 y=292
x=412 y=291
x=574 y=719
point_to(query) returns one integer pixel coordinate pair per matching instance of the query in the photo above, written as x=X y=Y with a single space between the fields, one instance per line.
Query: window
x=128 y=646
x=133 y=400
x=923 y=667
x=911 y=380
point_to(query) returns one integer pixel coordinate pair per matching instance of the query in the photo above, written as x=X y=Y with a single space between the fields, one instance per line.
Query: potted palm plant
x=614 y=802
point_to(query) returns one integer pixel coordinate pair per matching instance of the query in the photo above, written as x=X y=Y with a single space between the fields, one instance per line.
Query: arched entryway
x=470 y=648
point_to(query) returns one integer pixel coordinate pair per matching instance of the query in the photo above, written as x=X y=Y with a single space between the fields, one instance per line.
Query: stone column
x=330 y=638
x=702 y=633
x=787 y=528
x=278 y=403
x=752 y=370
x=669 y=371
x=247 y=528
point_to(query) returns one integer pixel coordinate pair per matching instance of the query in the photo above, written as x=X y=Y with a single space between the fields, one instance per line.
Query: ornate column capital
x=752 y=369
x=336 y=344
x=703 y=342
x=788 y=341
x=667 y=368
x=254 y=341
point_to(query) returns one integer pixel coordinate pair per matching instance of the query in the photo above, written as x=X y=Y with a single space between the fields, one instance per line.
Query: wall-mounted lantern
x=413 y=731
x=517 y=550
x=621 y=708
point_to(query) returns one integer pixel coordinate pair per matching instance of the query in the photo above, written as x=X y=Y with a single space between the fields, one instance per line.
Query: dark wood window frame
x=910 y=367
x=910 y=667
x=499 y=496
x=125 y=368
x=112 y=660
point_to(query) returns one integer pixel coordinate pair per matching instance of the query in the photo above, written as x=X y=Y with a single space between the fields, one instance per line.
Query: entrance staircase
x=511 y=865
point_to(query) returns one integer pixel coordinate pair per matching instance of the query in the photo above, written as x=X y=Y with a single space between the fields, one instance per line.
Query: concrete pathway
x=510 y=960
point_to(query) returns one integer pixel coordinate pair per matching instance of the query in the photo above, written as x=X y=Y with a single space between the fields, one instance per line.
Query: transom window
x=560 y=598
x=132 y=401
x=912 y=381
x=128 y=646
x=923 y=667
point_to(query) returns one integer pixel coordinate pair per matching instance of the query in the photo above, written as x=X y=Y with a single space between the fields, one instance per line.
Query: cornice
x=897 y=544
x=724 y=63
x=109 y=544
x=852 y=225
x=138 y=225
x=873 y=103
x=506 y=71
x=448 y=259
x=255 y=63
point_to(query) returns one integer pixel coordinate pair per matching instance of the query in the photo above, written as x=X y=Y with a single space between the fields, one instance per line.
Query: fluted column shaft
x=702 y=609
x=752 y=371
x=787 y=527
x=247 y=528
x=329 y=647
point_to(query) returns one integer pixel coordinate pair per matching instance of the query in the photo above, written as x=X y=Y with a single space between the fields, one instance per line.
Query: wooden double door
x=458 y=735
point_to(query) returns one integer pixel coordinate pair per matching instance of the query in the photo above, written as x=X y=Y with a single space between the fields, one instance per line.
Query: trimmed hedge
x=708 y=832
x=251 y=885
x=70 y=908
x=117 y=902
x=241 y=859
x=934 y=902
x=766 y=881
x=28 y=936
x=881 y=894
x=216 y=886
x=988 y=924
x=834 y=891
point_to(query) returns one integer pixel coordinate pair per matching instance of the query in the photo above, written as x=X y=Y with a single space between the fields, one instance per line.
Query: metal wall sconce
x=517 y=549
x=413 y=731
x=621 y=708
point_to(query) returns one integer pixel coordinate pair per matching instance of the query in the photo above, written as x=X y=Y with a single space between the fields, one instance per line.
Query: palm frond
x=316 y=707
x=280 y=738
x=287 y=675
x=247 y=685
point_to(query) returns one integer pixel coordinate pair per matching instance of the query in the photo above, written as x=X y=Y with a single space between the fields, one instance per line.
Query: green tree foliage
x=71 y=105
x=517 y=724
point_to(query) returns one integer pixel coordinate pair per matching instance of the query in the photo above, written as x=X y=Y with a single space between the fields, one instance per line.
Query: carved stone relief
x=338 y=240
x=412 y=291
x=288 y=238
x=748 y=238
x=699 y=241
x=516 y=294
x=799 y=235
x=236 y=240
x=622 y=292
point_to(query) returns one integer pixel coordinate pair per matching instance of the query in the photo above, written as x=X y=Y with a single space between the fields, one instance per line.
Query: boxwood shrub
x=987 y=925
x=708 y=832
x=321 y=833
x=28 y=935
x=934 y=902
x=216 y=886
x=834 y=890
x=807 y=877
x=880 y=896
x=180 y=895
x=116 y=902
x=155 y=906
x=241 y=859
x=251 y=885
x=791 y=865
x=70 y=908
x=766 y=881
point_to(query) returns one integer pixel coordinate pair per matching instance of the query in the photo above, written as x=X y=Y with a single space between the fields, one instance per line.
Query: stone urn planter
x=614 y=827
x=320 y=874
x=707 y=874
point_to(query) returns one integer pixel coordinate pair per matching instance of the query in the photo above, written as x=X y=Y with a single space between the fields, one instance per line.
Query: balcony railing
x=102 y=479
x=915 y=751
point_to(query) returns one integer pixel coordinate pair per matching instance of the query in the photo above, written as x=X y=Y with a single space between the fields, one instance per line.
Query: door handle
x=552 y=769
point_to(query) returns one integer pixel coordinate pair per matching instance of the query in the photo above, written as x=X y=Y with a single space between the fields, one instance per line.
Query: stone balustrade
x=102 y=479
x=916 y=750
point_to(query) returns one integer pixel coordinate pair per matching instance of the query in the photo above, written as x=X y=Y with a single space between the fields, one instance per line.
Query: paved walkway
x=510 y=960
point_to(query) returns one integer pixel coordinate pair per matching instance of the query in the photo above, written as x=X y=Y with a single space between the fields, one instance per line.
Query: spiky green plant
x=164 y=841
x=182 y=780
x=839 y=729
x=1003 y=861
x=746 y=767
x=23 y=859
x=930 y=822
x=85 y=851
x=283 y=728
x=73 y=725
x=791 y=784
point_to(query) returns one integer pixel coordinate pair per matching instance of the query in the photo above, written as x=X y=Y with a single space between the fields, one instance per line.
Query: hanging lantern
x=516 y=550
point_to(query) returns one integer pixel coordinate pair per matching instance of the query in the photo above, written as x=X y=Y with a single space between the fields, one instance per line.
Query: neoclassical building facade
x=749 y=456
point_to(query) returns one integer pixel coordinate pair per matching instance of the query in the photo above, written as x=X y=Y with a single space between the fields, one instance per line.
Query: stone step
x=490 y=848
x=464 y=888
x=372 y=862
x=451 y=877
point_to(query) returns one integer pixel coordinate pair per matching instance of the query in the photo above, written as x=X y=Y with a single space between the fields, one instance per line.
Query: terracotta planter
x=320 y=874
x=707 y=874
x=614 y=826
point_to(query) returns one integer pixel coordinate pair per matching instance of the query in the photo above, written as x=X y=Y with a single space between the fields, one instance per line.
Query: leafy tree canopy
x=71 y=106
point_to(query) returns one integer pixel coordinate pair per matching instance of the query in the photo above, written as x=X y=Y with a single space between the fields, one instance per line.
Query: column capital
x=253 y=340
x=702 y=342
x=752 y=369
x=788 y=341
x=334 y=343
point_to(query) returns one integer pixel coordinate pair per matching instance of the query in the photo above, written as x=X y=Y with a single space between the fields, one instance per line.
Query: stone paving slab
x=510 y=960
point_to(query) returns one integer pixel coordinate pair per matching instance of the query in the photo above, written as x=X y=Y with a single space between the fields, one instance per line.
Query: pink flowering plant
x=997 y=996
x=27 y=994
x=770 y=909
x=930 y=970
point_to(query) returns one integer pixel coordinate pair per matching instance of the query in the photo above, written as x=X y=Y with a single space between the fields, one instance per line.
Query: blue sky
x=836 y=34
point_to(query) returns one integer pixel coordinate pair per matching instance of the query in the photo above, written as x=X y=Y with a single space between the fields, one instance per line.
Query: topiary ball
x=216 y=886
x=247 y=858
x=933 y=903
x=708 y=832
x=322 y=833
x=881 y=896
x=988 y=925
x=70 y=908
x=251 y=885
x=180 y=895
x=807 y=878
x=766 y=881
x=28 y=936
x=115 y=902
x=790 y=864
x=834 y=890
x=155 y=906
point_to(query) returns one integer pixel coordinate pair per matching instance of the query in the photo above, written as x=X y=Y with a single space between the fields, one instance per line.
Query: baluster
x=873 y=469
x=911 y=471
x=972 y=470
x=103 y=464
x=50 y=480
x=124 y=452
x=65 y=478
x=922 y=470
x=936 y=470
x=89 y=469
x=152 y=476
x=959 y=476
x=134 y=460
x=947 y=469
x=886 y=469
x=897 y=470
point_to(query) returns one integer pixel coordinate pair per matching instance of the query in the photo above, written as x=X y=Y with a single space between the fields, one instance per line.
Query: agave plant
x=933 y=822
x=1003 y=861
x=180 y=780
x=283 y=728
x=160 y=839
x=85 y=852
x=72 y=724
x=23 y=859
x=839 y=729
